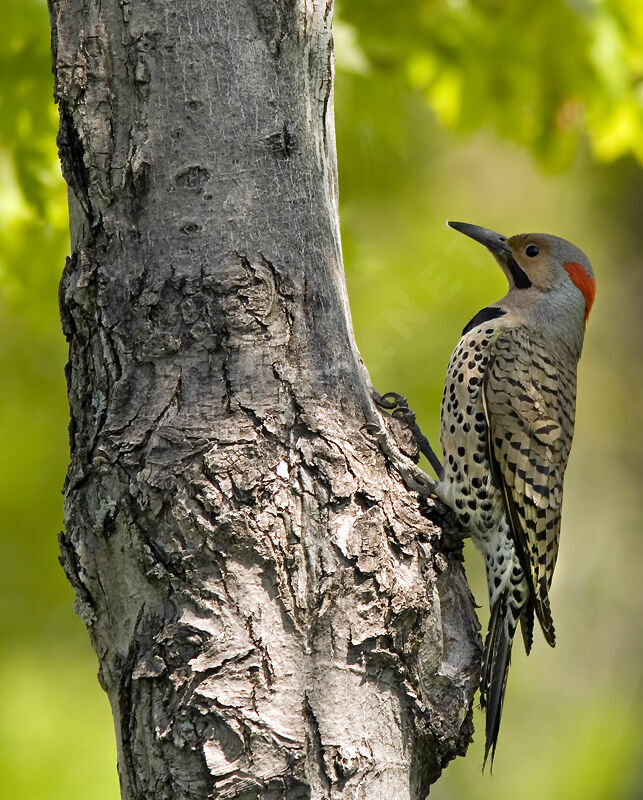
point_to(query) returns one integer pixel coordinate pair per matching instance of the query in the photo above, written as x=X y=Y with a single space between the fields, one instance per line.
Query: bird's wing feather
x=529 y=405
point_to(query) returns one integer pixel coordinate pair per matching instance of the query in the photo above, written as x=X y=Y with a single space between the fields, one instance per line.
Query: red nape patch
x=587 y=285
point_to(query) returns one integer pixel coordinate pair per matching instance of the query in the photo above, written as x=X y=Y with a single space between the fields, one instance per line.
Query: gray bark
x=270 y=606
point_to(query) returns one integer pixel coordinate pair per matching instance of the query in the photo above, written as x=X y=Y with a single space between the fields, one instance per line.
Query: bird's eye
x=532 y=250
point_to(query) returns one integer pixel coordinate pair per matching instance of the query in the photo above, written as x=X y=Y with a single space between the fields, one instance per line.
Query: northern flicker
x=507 y=421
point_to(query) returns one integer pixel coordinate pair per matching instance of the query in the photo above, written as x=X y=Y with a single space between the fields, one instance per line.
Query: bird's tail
x=527 y=624
x=497 y=655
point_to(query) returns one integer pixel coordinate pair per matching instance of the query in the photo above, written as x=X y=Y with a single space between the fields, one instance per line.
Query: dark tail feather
x=496 y=667
x=543 y=612
x=527 y=624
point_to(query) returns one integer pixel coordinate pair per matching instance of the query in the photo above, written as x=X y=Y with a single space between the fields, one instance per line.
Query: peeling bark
x=271 y=608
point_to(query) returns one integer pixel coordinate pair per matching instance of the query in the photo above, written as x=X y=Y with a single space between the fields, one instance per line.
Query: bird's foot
x=398 y=406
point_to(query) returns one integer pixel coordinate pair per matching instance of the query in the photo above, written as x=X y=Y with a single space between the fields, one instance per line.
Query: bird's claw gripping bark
x=390 y=401
x=398 y=406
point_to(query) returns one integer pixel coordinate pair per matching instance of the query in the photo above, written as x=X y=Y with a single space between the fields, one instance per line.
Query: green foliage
x=542 y=74
x=27 y=113
x=438 y=105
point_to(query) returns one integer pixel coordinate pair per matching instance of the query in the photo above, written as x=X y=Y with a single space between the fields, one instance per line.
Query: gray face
x=543 y=258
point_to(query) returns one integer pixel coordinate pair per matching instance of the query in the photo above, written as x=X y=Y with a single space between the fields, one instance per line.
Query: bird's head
x=550 y=280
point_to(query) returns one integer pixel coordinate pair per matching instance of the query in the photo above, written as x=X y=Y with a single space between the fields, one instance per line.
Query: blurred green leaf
x=27 y=119
x=540 y=74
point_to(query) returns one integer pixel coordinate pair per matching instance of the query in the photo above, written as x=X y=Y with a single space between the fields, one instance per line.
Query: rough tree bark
x=270 y=606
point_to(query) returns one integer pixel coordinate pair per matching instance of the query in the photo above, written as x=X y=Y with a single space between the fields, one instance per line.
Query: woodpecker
x=507 y=420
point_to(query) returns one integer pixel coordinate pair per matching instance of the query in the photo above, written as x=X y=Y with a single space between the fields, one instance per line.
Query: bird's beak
x=495 y=242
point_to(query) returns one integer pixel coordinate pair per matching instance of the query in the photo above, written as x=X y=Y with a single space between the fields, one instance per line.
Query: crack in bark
x=84 y=605
x=315 y=746
x=72 y=158
x=125 y=667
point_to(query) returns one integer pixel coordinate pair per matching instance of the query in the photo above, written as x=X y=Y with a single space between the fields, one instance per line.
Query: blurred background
x=518 y=116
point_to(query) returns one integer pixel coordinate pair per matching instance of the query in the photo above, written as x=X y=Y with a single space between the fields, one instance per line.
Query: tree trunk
x=270 y=607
